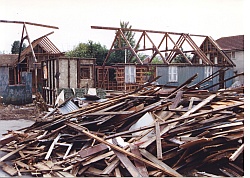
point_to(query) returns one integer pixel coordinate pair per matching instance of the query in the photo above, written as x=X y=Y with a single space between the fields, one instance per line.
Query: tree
x=180 y=58
x=89 y=50
x=119 y=55
x=15 y=47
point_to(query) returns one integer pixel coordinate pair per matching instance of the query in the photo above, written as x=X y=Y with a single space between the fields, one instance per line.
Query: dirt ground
x=13 y=112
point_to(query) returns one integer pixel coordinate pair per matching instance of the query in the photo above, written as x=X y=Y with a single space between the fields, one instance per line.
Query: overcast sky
x=216 y=18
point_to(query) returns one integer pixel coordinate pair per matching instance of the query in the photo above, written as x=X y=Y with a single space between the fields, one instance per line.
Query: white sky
x=216 y=18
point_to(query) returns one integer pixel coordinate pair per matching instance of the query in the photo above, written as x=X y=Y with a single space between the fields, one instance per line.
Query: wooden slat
x=158 y=140
x=158 y=162
x=128 y=164
x=81 y=129
x=92 y=150
x=141 y=167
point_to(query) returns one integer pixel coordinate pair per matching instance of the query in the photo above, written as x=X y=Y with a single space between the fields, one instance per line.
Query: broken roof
x=231 y=42
x=44 y=43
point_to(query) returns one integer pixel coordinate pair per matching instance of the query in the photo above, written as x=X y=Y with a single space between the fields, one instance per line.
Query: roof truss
x=166 y=41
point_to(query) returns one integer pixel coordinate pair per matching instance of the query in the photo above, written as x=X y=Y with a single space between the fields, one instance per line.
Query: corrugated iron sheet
x=68 y=107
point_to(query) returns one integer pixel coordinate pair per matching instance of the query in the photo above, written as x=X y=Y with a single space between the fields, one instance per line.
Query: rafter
x=200 y=53
x=29 y=23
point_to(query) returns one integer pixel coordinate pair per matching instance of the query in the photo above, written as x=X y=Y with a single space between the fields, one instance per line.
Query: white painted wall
x=239 y=62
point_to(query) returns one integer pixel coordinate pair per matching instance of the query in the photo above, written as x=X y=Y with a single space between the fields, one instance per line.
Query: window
x=130 y=74
x=233 y=55
x=215 y=60
x=85 y=73
x=208 y=71
x=172 y=74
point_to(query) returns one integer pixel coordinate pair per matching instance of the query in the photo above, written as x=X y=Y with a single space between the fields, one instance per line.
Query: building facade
x=233 y=46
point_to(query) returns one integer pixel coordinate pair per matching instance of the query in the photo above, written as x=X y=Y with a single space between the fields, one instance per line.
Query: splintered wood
x=150 y=132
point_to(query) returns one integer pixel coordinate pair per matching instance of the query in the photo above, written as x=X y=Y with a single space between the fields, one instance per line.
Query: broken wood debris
x=141 y=134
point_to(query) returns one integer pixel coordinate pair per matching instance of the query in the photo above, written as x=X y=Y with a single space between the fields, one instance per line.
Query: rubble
x=150 y=132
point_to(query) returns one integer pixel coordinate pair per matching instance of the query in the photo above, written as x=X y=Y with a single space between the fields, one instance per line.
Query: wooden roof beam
x=198 y=51
x=130 y=47
x=176 y=45
x=156 y=49
x=140 y=30
x=220 y=50
x=29 y=23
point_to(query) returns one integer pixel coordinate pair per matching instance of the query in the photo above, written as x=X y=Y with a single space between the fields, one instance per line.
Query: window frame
x=208 y=70
x=130 y=74
x=173 y=74
x=83 y=71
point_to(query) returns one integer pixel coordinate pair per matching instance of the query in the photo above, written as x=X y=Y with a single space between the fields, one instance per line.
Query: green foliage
x=180 y=58
x=15 y=47
x=96 y=50
x=157 y=60
x=89 y=50
x=119 y=55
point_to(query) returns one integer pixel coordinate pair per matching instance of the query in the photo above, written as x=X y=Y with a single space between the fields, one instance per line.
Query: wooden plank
x=237 y=153
x=82 y=170
x=201 y=104
x=47 y=175
x=117 y=172
x=195 y=142
x=9 y=169
x=92 y=150
x=82 y=130
x=21 y=164
x=128 y=164
x=7 y=138
x=52 y=146
x=97 y=158
x=111 y=167
x=141 y=167
x=158 y=140
x=41 y=166
x=158 y=162
x=66 y=174
x=12 y=153
x=98 y=113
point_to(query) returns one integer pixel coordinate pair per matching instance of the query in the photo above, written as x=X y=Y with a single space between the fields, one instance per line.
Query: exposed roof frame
x=177 y=46
x=29 y=23
x=221 y=51
x=183 y=37
x=120 y=34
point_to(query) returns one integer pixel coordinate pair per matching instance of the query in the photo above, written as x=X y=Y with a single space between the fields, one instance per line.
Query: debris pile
x=150 y=132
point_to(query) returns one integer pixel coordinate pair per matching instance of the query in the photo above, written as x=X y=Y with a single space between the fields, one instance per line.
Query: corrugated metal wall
x=185 y=72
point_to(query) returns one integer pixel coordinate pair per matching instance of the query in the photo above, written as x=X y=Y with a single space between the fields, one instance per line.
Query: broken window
x=130 y=74
x=172 y=74
x=85 y=73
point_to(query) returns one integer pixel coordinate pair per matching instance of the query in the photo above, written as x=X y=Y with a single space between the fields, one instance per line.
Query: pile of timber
x=150 y=132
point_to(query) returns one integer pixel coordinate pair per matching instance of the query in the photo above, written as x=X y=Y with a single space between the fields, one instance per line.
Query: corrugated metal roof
x=45 y=44
x=68 y=107
x=48 y=46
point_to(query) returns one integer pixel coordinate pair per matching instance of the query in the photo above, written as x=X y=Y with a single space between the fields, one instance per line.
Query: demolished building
x=205 y=59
